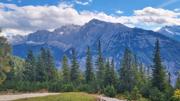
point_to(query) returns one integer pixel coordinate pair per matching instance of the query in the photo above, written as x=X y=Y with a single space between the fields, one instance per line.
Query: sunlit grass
x=73 y=96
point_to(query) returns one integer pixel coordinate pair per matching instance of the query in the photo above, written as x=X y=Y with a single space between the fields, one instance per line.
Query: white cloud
x=22 y=20
x=177 y=10
x=157 y=16
x=168 y=2
x=119 y=12
x=83 y=2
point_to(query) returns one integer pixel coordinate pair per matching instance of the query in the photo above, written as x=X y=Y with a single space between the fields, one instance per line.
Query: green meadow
x=73 y=96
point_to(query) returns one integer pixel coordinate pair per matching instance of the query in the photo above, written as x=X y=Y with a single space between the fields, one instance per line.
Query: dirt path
x=12 y=97
x=102 y=98
x=21 y=96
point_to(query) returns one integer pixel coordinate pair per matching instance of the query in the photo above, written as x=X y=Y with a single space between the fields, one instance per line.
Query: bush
x=68 y=87
x=135 y=94
x=27 y=86
x=156 y=95
x=128 y=96
x=55 y=87
x=89 y=88
x=176 y=96
x=7 y=85
x=145 y=90
x=110 y=91
x=2 y=77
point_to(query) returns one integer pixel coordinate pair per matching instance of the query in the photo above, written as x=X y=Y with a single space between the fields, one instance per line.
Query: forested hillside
x=133 y=80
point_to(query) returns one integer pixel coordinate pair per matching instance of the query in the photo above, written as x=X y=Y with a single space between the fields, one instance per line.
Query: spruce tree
x=158 y=72
x=100 y=67
x=51 y=69
x=30 y=67
x=42 y=66
x=126 y=73
x=108 y=74
x=89 y=73
x=178 y=81
x=113 y=73
x=110 y=77
x=75 y=72
x=65 y=69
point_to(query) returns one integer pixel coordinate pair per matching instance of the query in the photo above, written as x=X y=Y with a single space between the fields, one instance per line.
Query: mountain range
x=171 y=31
x=114 y=37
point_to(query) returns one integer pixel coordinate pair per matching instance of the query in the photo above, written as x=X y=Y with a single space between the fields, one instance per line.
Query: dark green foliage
x=27 y=86
x=100 y=67
x=75 y=72
x=23 y=86
x=113 y=73
x=65 y=69
x=158 y=75
x=107 y=77
x=110 y=91
x=17 y=68
x=156 y=95
x=5 y=58
x=90 y=88
x=56 y=86
x=89 y=73
x=127 y=72
x=2 y=76
x=145 y=89
x=69 y=87
x=51 y=69
x=30 y=67
x=41 y=69
x=135 y=94
x=178 y=81
x=110 y=78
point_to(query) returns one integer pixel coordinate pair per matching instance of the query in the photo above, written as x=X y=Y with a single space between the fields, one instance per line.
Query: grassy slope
x=64 y=97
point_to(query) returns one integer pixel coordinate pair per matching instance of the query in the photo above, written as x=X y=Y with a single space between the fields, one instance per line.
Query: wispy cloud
x=83 y=2
x=177 y=10
x=119 y=12
x=168 y=2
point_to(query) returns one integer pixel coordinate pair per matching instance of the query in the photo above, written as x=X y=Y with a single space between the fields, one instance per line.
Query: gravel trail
x=12 y=97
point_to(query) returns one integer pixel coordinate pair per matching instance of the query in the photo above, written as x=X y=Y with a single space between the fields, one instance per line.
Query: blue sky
x=107 y=6
x=25 y=16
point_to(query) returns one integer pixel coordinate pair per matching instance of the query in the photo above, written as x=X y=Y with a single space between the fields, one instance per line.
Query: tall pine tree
x=114 y=75
x=75 y=72
x=108 y=74
x=89 y=73
x=126 y=73
x=41 y=66
x=158 y=71
x=65 y=69
x=30 y=67
x=100 y=67
x=110 y=77
x=178 y=81
x=51 y=69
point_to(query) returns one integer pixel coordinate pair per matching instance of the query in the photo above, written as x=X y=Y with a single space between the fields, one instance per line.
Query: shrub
x=55 y=87
x=68 y=87
x=27 y=86
x=135 y=94
x=156 y=95
x=110 y=91
x=89 y=88
x=7 y=85
x=145 y=90
x=176 y=96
